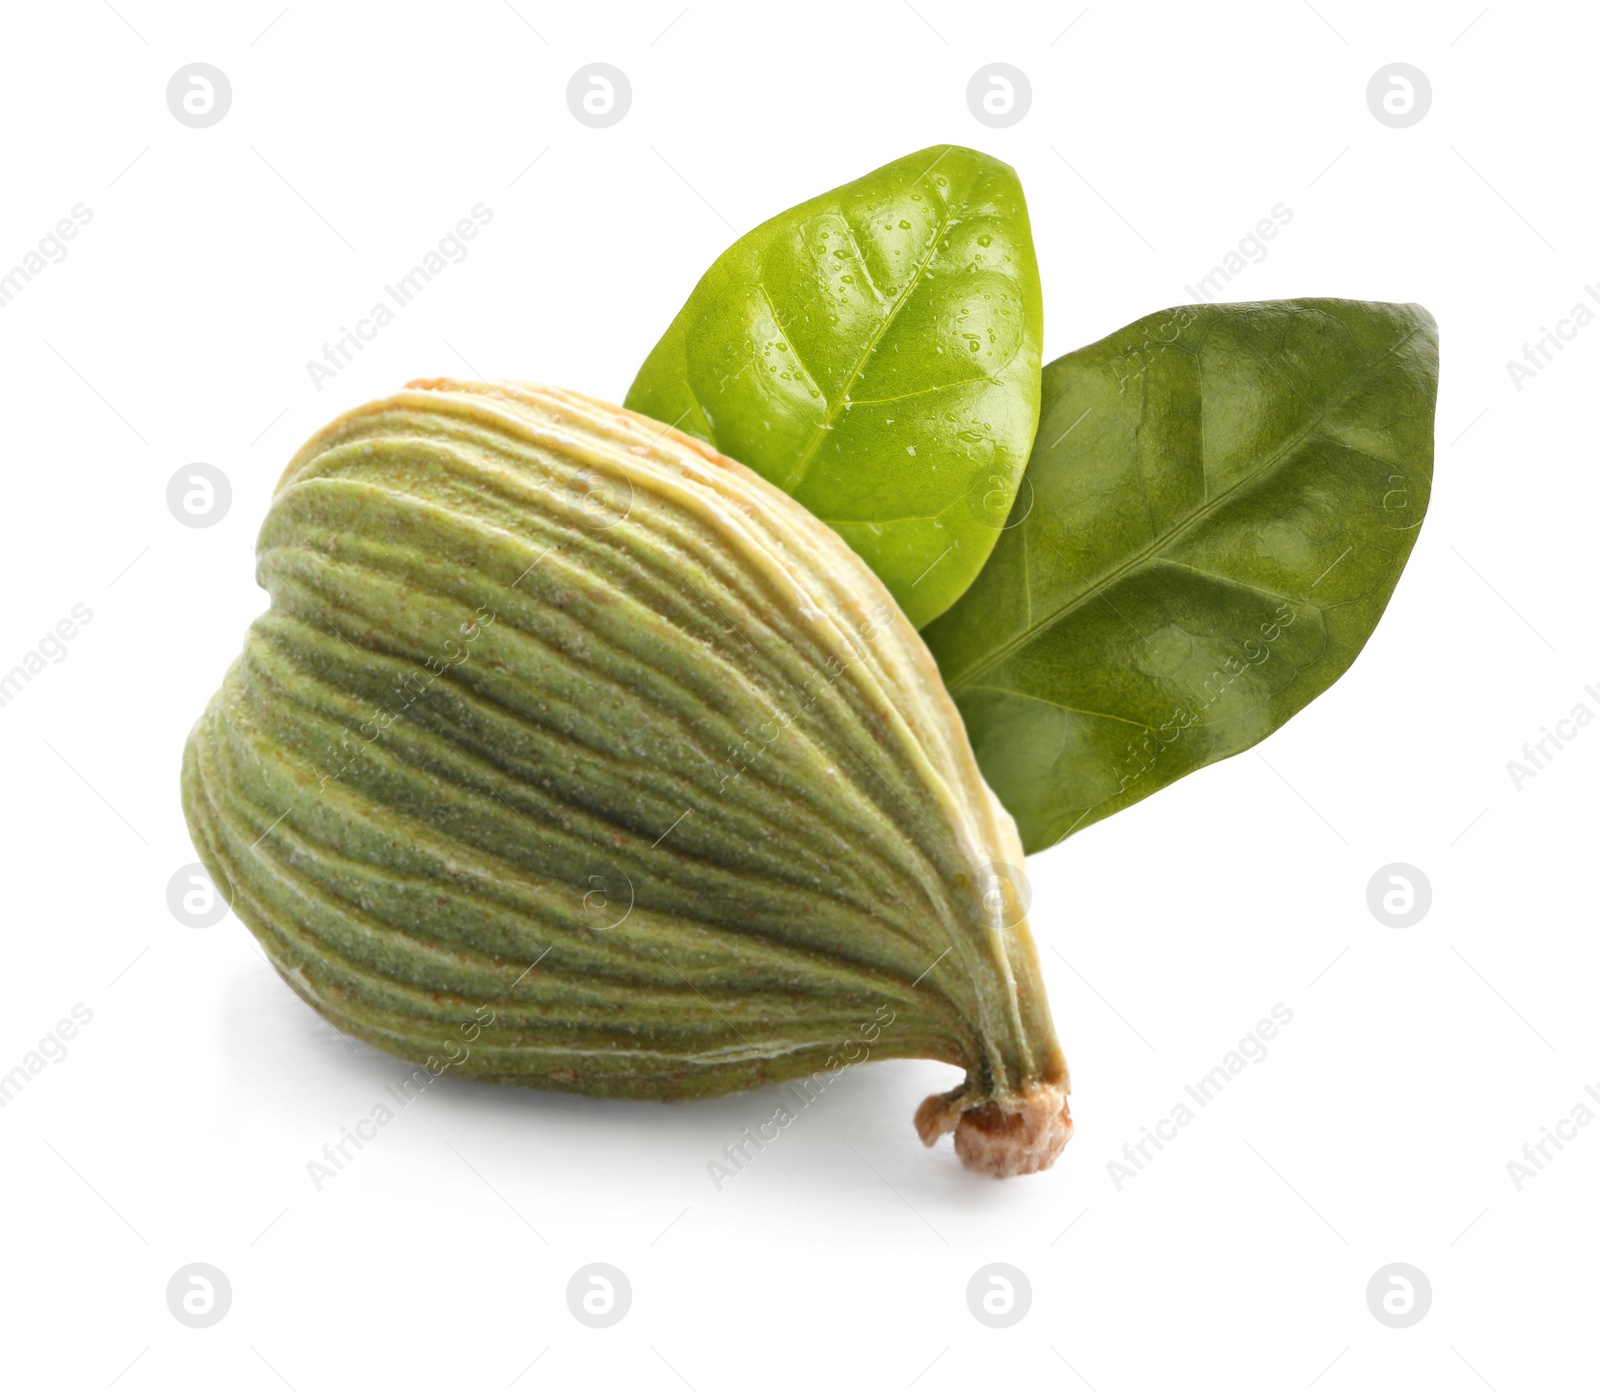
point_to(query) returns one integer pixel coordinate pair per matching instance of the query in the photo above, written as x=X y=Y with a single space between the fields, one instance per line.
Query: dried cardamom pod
x=573 y=754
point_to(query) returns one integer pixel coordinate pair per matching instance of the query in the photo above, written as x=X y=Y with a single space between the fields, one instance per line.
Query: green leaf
x=875 y=353
x=1219 y=503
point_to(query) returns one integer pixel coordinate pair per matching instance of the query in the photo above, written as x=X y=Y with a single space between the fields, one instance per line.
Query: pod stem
x=1015 y=1133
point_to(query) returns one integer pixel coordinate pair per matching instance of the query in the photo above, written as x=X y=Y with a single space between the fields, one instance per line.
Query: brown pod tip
x=1018 y=1134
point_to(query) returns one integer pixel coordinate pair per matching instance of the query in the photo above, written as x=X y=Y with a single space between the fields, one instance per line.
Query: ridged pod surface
x=572 y=754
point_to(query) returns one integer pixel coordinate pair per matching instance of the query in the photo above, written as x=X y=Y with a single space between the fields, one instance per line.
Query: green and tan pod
x=575 y=755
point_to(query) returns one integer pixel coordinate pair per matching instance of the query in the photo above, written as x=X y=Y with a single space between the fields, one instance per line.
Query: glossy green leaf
x=875 y=353
x=1219 y=503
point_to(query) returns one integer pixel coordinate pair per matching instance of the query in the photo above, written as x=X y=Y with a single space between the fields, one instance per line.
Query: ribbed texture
x=543 y=681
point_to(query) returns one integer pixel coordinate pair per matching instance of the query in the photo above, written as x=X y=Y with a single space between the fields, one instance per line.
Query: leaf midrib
x=1143 y=556
x=836 y=409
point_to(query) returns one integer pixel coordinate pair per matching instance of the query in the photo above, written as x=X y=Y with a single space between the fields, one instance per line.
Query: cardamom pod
x=575 y=755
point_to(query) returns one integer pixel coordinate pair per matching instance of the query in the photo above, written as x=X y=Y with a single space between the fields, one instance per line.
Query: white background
x=179 y=1125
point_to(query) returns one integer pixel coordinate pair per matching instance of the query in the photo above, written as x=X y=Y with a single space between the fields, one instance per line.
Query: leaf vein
x=836 y=409
x=1070 y=710
x=1145 y=555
